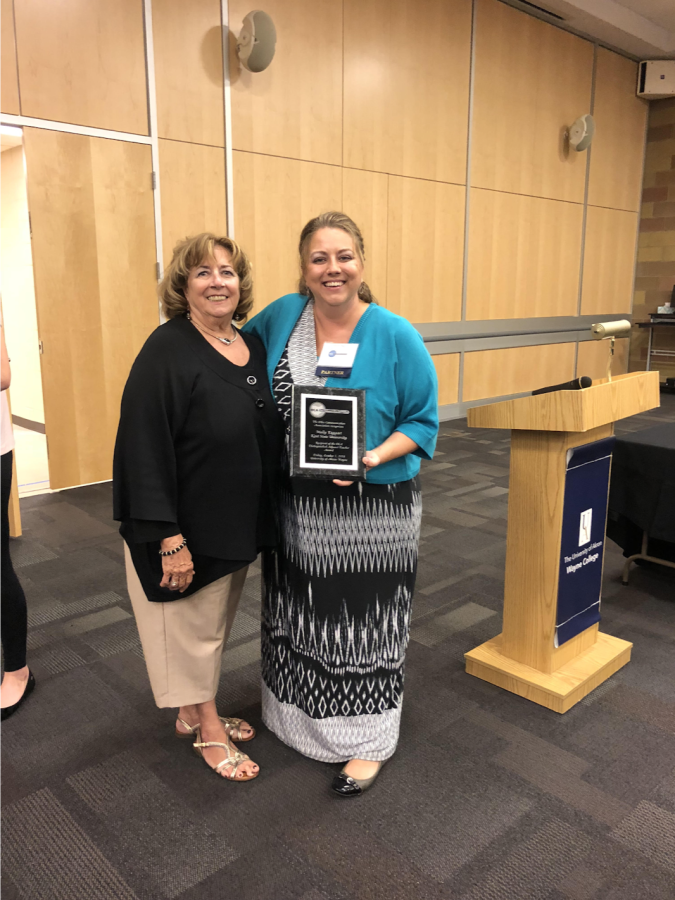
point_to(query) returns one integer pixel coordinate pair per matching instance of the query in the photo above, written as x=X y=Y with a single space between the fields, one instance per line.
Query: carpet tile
x=489 y=797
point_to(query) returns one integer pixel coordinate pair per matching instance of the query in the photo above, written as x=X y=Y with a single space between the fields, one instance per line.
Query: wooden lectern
x=523 y=659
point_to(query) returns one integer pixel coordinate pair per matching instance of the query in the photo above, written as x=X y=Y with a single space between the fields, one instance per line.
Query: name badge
x=336 y=360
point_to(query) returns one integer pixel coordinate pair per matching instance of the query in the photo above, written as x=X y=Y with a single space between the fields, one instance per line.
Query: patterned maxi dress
x=337 y=599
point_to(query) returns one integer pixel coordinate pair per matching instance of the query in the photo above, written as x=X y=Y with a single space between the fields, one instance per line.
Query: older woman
x=195 y=460
x=339 y=589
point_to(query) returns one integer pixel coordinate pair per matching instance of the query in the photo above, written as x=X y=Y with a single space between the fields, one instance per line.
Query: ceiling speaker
x=257 y=41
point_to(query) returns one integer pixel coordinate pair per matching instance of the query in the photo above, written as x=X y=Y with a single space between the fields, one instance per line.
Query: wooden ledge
x=578 y=411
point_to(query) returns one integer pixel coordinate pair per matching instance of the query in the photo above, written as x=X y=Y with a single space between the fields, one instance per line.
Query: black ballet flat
x=8 y=711
x=346 y=786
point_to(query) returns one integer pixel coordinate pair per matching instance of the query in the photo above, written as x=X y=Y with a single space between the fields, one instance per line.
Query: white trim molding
x=227 y=107
x=69 y=128
x=154 y=138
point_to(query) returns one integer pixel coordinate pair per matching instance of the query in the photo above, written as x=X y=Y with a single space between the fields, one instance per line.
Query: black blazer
x=198 y=446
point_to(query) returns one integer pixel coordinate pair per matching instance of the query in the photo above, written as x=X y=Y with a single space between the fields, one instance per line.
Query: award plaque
x=328 y=433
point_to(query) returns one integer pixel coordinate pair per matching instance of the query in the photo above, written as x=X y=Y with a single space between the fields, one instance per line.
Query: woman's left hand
x=370 y=460
x=178 y=569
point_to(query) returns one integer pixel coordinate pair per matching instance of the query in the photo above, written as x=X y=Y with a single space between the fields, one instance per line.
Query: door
x=93 y=242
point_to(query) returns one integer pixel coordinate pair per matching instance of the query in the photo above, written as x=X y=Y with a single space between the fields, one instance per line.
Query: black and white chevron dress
x=337 y=600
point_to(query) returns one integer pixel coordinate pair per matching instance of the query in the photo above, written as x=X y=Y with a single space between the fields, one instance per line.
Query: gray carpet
x=489 y=797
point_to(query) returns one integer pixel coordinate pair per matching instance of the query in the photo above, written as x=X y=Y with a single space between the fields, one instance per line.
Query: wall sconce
x=257 y=41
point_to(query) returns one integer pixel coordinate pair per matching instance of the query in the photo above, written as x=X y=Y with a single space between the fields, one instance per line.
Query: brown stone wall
x=655 y=274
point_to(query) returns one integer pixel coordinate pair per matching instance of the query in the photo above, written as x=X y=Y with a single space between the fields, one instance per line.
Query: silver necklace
x=222 y=340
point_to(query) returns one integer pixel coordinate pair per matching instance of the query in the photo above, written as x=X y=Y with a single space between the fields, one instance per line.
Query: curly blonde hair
x=332 y=219
x=192 y=252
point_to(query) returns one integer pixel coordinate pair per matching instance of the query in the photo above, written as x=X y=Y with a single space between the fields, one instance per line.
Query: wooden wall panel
x=593 y=357
x=615 y=178
x=406 y=84
x=425 y=250
x=274 y=198
x=9 y=100
x=293 y=108
x=365 y=200
x=94 y=256
x=496 y=373
x=531 y=81
x=447 y=370
x=83 y=61
x=524 y=256
x=609 y=260
x=193 y=191
x=189 y=70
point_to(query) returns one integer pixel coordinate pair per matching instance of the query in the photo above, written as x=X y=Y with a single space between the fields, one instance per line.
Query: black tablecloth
x=642 y=491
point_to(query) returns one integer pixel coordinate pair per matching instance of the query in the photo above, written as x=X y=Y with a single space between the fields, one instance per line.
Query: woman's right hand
x=178 y=567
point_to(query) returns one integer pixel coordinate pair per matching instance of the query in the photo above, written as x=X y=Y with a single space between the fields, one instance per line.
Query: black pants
x=14 y=614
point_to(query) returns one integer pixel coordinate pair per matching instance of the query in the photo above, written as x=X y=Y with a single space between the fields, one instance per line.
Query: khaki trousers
x=183 y=640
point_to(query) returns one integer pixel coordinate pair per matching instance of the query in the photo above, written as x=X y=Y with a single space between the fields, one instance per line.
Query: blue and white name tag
x=336 y=360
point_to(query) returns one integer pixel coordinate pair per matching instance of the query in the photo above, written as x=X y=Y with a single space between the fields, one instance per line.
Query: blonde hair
x=332 y=220
x=192 y=252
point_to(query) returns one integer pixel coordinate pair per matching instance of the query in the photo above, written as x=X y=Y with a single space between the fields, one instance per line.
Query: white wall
x=18 y=290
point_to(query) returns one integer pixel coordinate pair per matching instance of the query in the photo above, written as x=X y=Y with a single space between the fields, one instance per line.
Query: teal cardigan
x=392 y=365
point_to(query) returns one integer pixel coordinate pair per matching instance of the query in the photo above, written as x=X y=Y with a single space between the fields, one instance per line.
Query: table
x=641 y=514
x=657 y=323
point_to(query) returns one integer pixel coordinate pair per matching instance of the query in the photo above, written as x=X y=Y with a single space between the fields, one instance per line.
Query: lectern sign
x=583 y=538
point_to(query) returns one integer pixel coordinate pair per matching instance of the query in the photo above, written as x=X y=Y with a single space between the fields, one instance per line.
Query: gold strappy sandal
x=231 y=725
x=235 y=759
x=233 y=729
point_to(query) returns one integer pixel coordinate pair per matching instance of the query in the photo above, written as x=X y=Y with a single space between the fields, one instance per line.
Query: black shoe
x=8 y=711
x=346 y=786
